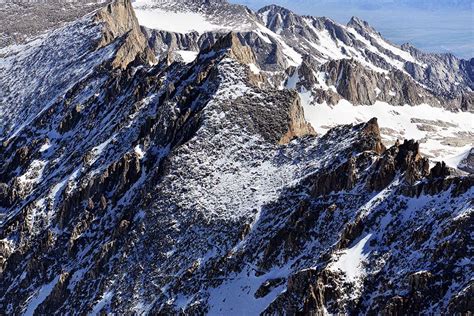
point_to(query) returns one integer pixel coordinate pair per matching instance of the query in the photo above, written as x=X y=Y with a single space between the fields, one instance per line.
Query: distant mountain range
x=368 y=4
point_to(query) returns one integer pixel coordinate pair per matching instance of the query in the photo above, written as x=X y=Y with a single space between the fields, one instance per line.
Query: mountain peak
x=235 y=47
x=361 y=25
x=119 y=20
x=274 y=8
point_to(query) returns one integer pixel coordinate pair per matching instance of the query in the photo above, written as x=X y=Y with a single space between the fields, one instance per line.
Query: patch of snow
x=98 y=150
x=57 y=189
x=264 y=37
x=396 y=122
x=178 y=22
x=327 y=46
x=188 y=56
x=236 y=296
x=334 y=49
x=40 y=296
x=76 y=277
x=254 y=68
x=44 y=147
x=351 y=260
x=34 y=172
x=395 y=50
x=455 y=160
x=264 y=17
x=293 y=58
x=395 y=63
x=139 y=151
x=292 y=80
x=377 y=91
x=104 y=301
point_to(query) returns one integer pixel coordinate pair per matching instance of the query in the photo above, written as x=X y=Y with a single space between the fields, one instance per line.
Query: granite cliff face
x=137 y=180
x=118 y=20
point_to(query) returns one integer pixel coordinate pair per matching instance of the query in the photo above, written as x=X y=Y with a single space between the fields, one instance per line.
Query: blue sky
x=431 y=25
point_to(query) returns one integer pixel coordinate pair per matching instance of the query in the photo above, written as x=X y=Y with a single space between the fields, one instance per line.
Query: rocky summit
x=199 y=158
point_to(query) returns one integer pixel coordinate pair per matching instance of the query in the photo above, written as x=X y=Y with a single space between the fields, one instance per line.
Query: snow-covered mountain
x=207 y=159
x=331 y=64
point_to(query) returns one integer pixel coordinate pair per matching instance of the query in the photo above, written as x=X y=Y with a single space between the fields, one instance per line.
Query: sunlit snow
x=179 y=22
x=350 y=261
x=399 y=122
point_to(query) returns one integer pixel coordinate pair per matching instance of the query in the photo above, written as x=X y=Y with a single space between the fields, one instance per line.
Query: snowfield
x=435 y=128
x=179 y=22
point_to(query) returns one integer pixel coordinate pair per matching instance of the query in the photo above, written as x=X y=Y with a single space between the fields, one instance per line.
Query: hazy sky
x=431 y=25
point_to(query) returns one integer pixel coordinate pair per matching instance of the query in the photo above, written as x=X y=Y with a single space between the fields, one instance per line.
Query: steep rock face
x=119 y=19
x=297 y=126
x=441 y=70
x=356 y=84
x=236 y=49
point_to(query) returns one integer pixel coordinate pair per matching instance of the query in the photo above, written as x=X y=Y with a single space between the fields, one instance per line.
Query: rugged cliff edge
x=119 y=20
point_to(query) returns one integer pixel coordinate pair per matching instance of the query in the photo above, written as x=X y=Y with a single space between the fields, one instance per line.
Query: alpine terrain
x=190 y=157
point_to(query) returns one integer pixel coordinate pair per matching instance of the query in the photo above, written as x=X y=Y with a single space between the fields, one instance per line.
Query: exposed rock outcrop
x=236 y=49
x=467 y=164
x=119 y=20
x=297 y=125
x=360 y=85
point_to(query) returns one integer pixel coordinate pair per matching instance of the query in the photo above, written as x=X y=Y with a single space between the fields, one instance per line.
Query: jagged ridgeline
x=208 y=159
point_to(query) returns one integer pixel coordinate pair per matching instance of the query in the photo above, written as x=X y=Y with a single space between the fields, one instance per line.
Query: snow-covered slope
x=192 y=16
x=23 y=20
x=35 y=75
x=192 y=183
x=443 y=135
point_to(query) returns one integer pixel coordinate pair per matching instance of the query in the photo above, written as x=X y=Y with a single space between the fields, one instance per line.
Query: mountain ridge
x=146 y=183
